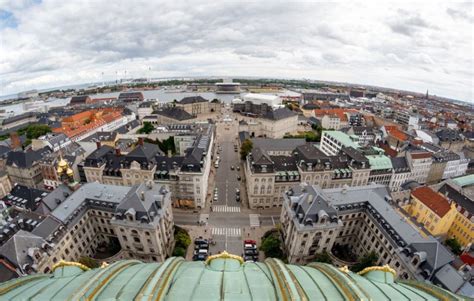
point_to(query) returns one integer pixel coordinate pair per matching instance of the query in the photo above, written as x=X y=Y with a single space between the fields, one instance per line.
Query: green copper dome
x=222 y=277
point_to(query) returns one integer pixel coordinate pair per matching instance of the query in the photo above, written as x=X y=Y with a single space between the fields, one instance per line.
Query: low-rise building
x=432 y=210
x=130 y=96
x=275 y=123
x=138 y=218
x=450 y=139
x=274 y=166
x=17 y=121
x=361 y=218
x=5 y=184
x=186 y=176
x=463 y=223
x=420 y=165
x=23 y=167
x=80 y=100
x=55 y=141
x=197 y=105
x=169 y=115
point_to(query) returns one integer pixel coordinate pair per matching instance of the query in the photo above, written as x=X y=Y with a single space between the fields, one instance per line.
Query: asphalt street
x=226 y=220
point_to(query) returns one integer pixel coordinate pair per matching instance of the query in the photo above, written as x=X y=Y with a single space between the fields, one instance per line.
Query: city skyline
x=411 y=47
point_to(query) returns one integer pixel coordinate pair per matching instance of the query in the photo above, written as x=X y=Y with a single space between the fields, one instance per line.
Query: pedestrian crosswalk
x=224 y=208
x=227 y=231
x=254 y=220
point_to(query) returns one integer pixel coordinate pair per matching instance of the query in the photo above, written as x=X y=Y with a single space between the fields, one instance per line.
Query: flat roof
x=343 y=138
x=378 y=162
x=464 y=181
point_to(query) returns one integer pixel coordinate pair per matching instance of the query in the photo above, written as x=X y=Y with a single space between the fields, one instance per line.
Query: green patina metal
x=219 y=279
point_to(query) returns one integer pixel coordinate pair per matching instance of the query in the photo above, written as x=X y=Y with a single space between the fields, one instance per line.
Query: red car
x=250 y=241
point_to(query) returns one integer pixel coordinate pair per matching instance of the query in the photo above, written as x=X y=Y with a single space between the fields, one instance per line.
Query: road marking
x=273 y=221
x=225 y=208
x=234 y=232
x=254 y=220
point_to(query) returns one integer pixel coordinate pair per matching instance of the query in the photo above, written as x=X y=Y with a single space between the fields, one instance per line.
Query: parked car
x=248 y=258
x=200 y=241
x=199 y=257
x=237 y=191
x=238 y=168
x=250 y=241
x=232 y=167
x=238 y=178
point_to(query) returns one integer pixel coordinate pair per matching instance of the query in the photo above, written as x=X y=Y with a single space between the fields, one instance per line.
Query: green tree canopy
x=365 y=261
x=245 y=148
x=147 y=128
x=182 y=238
x=179 y=251
x=89 y=262
x=271 y=244
x=34 y=131
x=323 y=257
x=455 y=246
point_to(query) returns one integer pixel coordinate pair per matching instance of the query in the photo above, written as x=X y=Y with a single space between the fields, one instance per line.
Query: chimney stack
x=98 y=144
x=142 y=195
x=117 y=151
x=140 y=141
x=14 y=141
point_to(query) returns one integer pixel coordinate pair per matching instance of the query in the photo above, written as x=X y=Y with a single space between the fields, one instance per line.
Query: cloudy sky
x=422 y=46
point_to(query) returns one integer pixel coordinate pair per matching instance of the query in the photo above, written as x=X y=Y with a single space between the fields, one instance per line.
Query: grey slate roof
x=460 y=199
x=278 y=114
x=143 y=200
x=400 y=164
x=46 y=227
x=16 y=248
x=448 y=135
x=91 y=191
x=310 y=204
x=174 y=113
x=25 y=159
x=192 y=99
x=25 y=197
x=277 y=144
x=54 y=199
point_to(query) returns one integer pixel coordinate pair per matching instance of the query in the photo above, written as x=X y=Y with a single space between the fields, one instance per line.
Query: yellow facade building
x=432 y=210
x=462 y=228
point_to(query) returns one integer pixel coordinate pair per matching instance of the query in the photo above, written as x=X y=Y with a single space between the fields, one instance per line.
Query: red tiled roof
x=338 y=112
x=394 y=132
x=433 y=200
x=424 y=155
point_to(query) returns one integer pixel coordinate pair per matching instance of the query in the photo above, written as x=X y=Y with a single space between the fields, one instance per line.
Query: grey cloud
x=75 y=41
x=463 y=14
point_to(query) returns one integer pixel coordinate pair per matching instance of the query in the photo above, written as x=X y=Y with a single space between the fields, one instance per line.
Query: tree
x=89 y=262
x=455 y=246
x=34 y=131
x=179 y=251
x=271 y=244
x=365 y=261
x=246 y=148
x=147 y=128
x=215 y=100
x=181 y=238
x=323 y=257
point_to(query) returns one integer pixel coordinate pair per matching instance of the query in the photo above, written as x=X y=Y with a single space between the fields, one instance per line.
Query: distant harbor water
x=160 y=95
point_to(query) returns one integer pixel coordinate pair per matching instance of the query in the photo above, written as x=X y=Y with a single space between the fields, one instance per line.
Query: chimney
x=117 y=151
x=142 y=195
x=140 y=141
x=98 y=144
x=15 y=140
